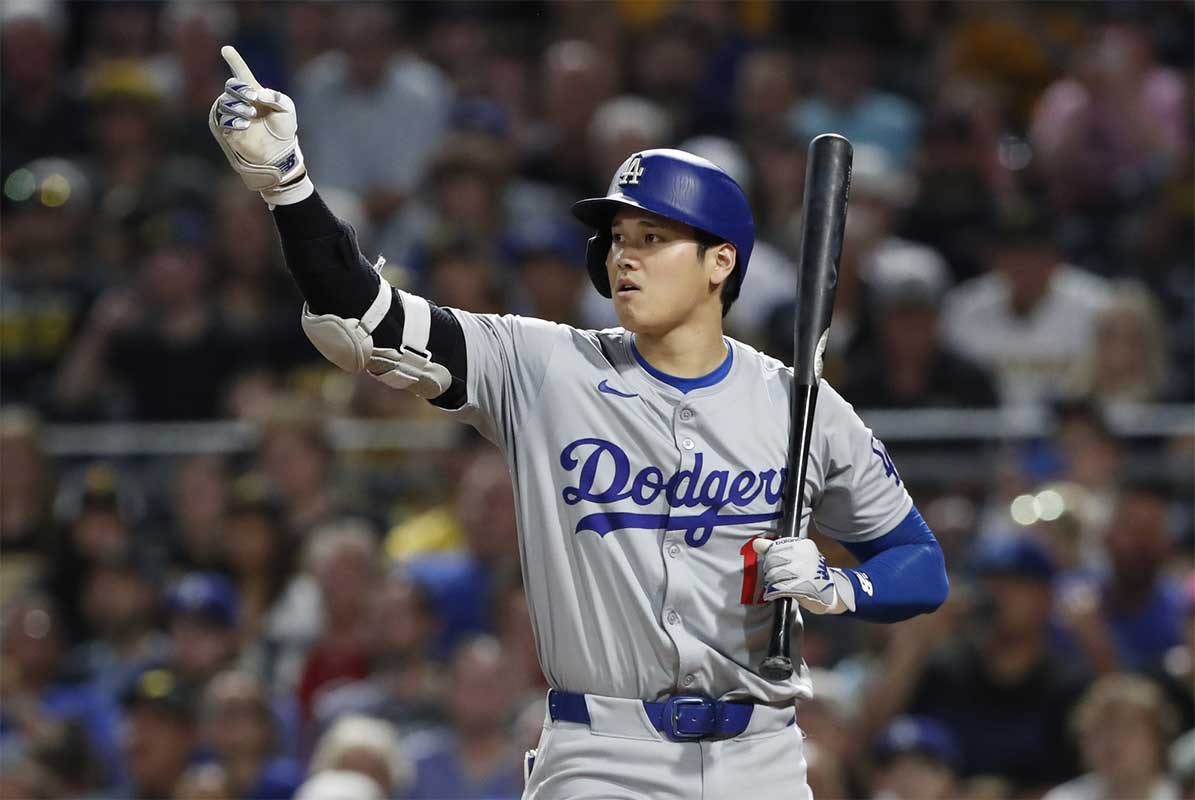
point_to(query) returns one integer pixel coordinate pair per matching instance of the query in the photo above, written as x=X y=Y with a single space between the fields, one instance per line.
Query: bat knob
x=777 y=668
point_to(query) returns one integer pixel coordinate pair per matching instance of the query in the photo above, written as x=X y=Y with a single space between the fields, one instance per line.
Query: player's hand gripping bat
x=827 y=180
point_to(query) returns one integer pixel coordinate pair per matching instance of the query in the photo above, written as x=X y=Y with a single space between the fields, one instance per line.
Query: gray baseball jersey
x=637 y=504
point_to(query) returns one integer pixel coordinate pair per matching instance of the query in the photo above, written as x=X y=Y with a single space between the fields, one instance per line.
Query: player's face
x=657 y=279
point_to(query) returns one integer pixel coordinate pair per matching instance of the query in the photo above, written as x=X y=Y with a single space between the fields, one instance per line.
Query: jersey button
x=688 y=681
x=674 y=550
x=673 y=618
x=686 y=414
x=687 y=444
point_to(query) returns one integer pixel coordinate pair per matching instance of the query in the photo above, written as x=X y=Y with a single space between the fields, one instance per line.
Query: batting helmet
x=676 y=185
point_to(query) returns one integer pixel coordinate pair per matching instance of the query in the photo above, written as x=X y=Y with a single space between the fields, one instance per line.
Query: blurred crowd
x=294 y=619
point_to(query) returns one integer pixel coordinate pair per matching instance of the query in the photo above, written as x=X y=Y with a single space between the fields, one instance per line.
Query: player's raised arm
x=352 y=314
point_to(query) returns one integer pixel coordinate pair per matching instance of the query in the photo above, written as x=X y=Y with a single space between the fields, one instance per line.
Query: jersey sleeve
x=509 y=358
x=862 y=495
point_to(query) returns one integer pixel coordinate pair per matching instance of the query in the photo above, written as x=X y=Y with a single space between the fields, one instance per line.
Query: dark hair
x=734 y=281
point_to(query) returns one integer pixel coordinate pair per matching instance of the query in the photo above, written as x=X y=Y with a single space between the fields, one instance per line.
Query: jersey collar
x=686 y=385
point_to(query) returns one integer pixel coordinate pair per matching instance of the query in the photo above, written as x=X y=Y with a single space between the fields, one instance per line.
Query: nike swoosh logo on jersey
x=608 y=389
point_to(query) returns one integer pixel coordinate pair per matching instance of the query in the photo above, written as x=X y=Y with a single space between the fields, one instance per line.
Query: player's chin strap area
x=348 y=343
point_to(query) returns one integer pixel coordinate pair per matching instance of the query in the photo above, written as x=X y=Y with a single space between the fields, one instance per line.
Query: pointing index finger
x=239 y=68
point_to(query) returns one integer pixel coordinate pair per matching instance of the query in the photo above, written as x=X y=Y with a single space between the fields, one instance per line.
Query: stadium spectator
x=484 y=535
x=203 y=616
x=765 y=89
x=120 y=607
x=199 y=507
x=344 y=559
x=40 y=106
x=1124 y=729
x=1031 y=316
x=1001 y=690
x=404 y=686
x=917 y=759
x=237 y=726
x=577 y=78
x=1111 y=127
x=908 y=365
x=163 y=342
x=160 y=735
x=373 y=96
x=1126 y=359
x=27 y=529
x=50 y=276
x=296 y=458
x=364 y=746
x=1142 y=606
x=848 y=102
x=38 y=694
x=475 y=757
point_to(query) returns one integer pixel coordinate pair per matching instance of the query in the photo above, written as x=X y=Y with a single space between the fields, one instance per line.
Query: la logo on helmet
x=632 y=173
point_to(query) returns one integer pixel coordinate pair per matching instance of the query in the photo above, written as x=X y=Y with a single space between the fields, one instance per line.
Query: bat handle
x=778 y=666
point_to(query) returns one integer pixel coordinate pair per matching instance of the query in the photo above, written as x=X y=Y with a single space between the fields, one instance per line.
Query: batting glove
x=796 y=568
x=256 y=128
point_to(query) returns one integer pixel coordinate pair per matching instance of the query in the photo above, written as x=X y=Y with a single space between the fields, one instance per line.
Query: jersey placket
x=680 y=577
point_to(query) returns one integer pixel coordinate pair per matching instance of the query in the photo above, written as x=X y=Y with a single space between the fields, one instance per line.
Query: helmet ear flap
x=595 y=260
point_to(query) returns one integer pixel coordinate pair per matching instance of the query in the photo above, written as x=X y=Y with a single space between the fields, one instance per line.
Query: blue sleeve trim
x=904 y=569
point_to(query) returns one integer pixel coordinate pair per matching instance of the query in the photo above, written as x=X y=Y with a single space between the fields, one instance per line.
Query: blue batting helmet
x=676 y=185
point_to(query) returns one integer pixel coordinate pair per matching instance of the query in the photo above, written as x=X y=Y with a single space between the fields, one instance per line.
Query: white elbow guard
x=348 y=343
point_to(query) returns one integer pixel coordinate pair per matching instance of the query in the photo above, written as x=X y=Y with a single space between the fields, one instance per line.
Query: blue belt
x=682 y=718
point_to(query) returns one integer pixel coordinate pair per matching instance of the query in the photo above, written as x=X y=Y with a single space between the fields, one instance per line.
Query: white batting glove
x=796 y=568
x=257 y=130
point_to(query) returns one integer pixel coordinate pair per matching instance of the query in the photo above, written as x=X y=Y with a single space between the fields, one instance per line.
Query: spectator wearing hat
x=1032 y=315
x=239 y=729
x=1001 y=688
x=552 y=285
x=99 y=508
x=909 y=365
x=917 y=758
x=204 y=614
x=120 y=607
x=1124 y=728
x=161 y=732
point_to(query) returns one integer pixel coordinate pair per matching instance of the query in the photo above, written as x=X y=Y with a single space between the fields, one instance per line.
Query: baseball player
x=647 y=462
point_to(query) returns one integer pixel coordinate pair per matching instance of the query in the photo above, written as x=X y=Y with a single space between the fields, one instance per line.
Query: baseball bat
x=827 y=181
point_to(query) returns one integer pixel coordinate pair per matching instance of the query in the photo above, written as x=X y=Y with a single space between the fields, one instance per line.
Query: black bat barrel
x=827 y=182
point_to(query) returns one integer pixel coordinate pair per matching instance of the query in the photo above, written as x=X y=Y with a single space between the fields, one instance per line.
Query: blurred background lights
x=55 y=191
x=1024 y=509
x=1045 y=506
x=20 y=185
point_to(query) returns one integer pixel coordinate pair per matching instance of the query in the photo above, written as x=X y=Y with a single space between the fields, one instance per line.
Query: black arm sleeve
x=335 y=277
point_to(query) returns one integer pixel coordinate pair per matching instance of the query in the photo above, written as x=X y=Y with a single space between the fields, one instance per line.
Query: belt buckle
x=673 y=714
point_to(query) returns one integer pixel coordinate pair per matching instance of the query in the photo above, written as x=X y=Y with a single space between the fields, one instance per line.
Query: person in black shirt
x=907 y=364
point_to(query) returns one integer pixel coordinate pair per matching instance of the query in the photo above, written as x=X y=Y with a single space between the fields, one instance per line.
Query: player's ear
x=724 y=257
